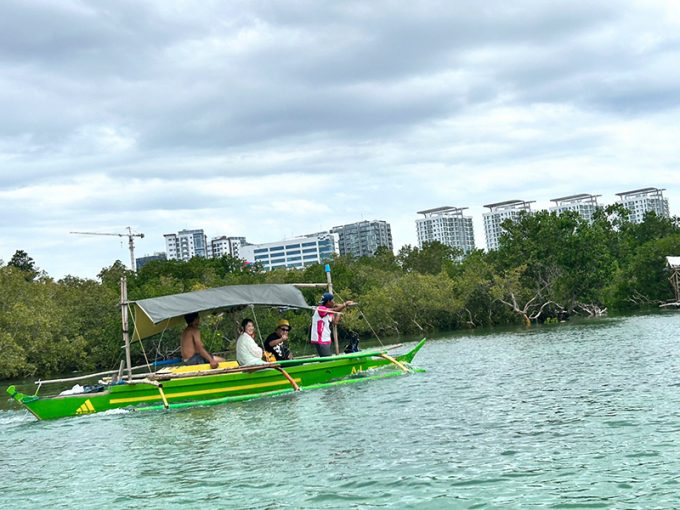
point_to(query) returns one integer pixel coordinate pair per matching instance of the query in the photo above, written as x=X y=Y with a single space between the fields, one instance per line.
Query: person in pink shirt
x=325 y=315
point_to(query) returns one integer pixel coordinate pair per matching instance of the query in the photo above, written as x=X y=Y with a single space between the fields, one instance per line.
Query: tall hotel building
x=497 y=214
x=186 y=244
x=583 y=204
x=640 y=201
x=362 y=239
x=448 y=226
x=293 y=253
x=223 y=245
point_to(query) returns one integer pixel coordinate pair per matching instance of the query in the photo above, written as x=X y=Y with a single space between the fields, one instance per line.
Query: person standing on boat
x=322 y=319
x=192 y=348
x=247 y=350
x=276 y=342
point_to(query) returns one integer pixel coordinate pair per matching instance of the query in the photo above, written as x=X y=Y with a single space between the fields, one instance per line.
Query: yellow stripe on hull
x=201 y=392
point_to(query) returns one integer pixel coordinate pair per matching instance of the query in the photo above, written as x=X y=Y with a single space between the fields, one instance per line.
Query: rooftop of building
x=362 y=222
x=447 y=209
x=510 y=204
x=641 y=192
x=575 y=199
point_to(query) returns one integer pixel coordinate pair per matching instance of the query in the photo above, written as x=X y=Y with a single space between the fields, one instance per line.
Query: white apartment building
x=363 y=238
x=293 y=253
x=223 y=245
x=186 y=244
x=640 y=201
x=448 y=226
x=582 y=203
x=497 y=214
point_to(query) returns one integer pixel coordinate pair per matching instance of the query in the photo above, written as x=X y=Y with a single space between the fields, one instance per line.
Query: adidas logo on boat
x=86 y=408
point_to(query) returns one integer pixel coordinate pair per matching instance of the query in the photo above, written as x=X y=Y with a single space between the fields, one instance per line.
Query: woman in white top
x=247 y=350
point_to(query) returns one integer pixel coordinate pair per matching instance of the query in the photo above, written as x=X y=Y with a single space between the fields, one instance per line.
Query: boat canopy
x=154 y=315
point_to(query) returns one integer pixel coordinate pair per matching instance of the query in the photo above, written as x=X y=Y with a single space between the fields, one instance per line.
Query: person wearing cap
x=276 y=342
x=324 y=315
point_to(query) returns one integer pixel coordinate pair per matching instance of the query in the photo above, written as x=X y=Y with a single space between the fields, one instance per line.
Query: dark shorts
x=196 y=359
x=323 y=350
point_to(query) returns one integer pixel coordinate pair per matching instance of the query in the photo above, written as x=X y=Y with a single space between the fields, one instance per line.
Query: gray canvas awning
x=153 y=315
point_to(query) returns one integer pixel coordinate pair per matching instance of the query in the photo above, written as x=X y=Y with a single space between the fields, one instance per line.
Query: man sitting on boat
x=275 y=344
x=193 y=350
x=324 y=315
x=247 y=350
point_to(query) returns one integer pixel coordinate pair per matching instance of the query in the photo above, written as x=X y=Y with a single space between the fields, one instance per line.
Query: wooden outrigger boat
x=199 y=384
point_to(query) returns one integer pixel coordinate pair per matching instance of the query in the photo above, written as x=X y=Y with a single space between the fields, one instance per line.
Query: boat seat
x=182 y=369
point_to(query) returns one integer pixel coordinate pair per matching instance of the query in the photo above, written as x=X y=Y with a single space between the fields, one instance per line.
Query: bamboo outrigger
x=200 y=385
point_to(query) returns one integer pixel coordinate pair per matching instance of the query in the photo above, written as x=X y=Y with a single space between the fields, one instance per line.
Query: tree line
x=548 y=267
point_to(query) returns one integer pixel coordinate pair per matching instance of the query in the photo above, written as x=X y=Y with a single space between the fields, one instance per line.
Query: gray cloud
x=167 y=114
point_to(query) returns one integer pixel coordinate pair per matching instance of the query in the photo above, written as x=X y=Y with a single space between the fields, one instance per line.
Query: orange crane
x=131 y=242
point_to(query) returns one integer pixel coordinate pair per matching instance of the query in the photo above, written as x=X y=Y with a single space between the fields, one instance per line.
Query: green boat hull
x=211 y=388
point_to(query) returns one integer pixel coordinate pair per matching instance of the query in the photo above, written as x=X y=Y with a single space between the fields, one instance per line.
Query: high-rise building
x=224 y=245
x=640 y=201
x=293 y=253
x=448 y=226
x=362 y=239
x=583 y=204
x=186 y=244
x=498 y=213
x=142 y=261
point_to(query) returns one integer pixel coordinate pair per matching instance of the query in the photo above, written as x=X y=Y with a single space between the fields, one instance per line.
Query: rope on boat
x=363 y=315
x=257 y=326
x=134 y=328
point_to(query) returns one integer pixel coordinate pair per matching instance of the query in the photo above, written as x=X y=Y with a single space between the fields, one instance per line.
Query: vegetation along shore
x=548 y=268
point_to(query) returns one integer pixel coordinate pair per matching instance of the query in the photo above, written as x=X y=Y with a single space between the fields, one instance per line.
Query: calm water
x=569 y=416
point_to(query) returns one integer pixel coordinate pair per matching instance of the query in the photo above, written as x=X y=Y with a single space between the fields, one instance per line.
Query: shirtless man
x=193 y=351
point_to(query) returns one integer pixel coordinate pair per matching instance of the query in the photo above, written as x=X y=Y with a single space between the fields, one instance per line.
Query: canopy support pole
x=124 y=317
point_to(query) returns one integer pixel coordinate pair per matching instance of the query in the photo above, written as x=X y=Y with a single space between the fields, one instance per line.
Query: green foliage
x=545 y=262
x=644 y=280
x=25 y=264
x=432 y=258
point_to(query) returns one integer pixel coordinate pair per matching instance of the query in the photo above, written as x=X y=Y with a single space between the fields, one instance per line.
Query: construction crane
x=131 y=242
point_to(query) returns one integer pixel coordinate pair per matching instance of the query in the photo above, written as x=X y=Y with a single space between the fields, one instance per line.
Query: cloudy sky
x=271 y=119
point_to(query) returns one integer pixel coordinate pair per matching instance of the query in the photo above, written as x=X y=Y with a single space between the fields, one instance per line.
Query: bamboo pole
x=335 y=326
x=124 y=317
x=401 y=366
x=119 y=375
x=165 y=400
x=79 y=378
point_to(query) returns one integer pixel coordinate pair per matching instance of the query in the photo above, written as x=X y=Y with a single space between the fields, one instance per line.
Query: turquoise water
x=568 y=416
